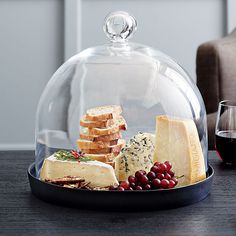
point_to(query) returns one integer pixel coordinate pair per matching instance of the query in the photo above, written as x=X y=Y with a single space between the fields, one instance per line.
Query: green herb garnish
x=72 y=155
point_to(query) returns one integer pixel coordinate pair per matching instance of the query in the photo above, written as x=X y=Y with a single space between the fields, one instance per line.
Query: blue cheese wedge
x=136 y=155
x=96 y=173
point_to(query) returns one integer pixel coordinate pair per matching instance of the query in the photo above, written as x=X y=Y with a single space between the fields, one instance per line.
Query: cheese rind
x=177 y=141
x=136 y=155
x=98 y=174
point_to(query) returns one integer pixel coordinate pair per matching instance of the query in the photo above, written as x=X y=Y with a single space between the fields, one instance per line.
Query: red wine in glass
x=226 y=146
x=225 y=133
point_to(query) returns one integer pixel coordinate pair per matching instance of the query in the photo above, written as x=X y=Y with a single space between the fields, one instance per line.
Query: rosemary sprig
x=64 y=155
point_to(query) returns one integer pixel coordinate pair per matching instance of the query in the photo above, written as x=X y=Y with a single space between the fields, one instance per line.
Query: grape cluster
x=160 y=176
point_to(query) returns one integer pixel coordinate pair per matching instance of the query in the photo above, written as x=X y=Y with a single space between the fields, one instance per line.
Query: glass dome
x=144 y=82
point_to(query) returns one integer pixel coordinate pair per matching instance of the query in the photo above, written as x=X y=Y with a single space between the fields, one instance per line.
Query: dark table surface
x=23 y=214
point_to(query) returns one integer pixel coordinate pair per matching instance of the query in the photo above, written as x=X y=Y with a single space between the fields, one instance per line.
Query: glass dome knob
x=119 y=26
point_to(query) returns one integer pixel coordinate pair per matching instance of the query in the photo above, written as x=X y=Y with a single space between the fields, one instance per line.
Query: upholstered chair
x=216 y=76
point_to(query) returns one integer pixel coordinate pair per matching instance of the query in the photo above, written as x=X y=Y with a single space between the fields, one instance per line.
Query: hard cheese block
x=177 y=141
x=97 y=173
x=136 y=155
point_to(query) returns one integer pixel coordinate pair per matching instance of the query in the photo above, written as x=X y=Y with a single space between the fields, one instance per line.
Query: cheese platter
x=113 y=200
x=144 y=164
x=121 y=127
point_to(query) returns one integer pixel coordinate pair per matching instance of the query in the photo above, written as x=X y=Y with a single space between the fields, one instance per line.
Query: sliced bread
x=103 y=113
x=95 y=124
x=86 y=144
x=111 y=149
x=119 y=124
x=101 y=157
x=97 y=138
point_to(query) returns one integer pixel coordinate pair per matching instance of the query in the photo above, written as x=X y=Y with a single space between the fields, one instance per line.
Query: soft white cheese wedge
x=136 y=155
x=98 y=174
x=177 y=141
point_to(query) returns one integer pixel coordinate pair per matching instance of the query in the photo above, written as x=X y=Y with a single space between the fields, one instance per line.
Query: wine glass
x=225 y=132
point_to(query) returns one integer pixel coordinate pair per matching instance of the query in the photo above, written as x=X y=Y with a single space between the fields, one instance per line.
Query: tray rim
x=210 y=176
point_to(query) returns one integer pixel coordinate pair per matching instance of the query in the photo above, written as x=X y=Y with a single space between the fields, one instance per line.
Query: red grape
x=151 y=175
x=171 y=184
x=154 y=169
x=138 y=188
x=162 y=168
x=156 y=183
x=175 y=180
x=143 y=180
x=120 y=188
x=143 y=171
x=138 y=174
x=160 y=176
x=159 y=170
x=164 y=183
x=168 y=165
x=171 y=173
x=132 y=179
x=147 y=187
x=124 y=184
x=167 y=176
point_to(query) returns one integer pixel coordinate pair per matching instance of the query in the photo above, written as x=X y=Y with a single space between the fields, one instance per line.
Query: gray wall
x=31 y=49
x=32 y=45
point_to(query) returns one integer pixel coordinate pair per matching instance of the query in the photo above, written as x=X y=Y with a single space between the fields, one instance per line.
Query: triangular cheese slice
x=96 y=173
x=177 y=141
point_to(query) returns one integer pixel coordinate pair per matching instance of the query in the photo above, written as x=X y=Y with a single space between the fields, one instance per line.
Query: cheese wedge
x=98 y=174
x=177 y=141
x=136 y=155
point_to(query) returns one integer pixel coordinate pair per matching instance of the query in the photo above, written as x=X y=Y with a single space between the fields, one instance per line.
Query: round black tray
x=118 y=200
